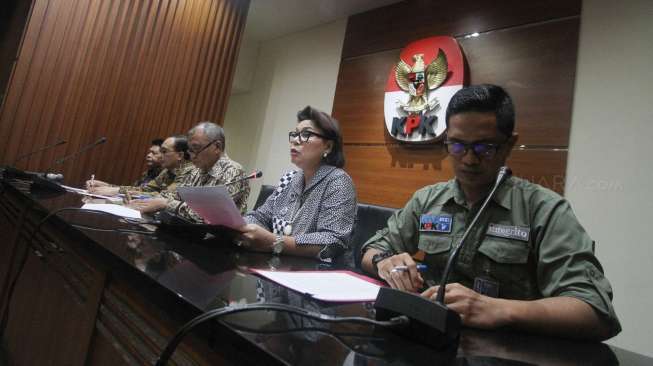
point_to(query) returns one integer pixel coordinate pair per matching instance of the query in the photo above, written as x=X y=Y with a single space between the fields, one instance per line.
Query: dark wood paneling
x=393 y=26
x=127 y=70
x=389 y=175
x=535 y=64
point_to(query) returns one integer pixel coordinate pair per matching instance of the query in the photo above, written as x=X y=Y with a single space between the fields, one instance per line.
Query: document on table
x=113 y=209
x=335 y=286
x=84 y=192
x=213 y=204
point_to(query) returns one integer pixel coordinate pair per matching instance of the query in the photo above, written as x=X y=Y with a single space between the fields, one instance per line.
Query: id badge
x=436 y=223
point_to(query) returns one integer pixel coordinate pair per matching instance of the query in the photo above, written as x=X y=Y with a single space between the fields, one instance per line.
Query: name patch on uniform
x=436 y=223
x=509 y=232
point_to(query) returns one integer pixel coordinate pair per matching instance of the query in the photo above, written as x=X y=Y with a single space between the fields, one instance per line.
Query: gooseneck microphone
x=100 y=141
x=253 y=175
x=504 y=173
x=21 y=157
x=431 y=323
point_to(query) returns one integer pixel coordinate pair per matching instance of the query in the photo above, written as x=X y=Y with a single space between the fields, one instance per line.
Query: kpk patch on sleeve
x=509 y=232
x=436 y=223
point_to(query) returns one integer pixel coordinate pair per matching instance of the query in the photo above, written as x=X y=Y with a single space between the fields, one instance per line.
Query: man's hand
x=257 y=238
x=409 y=280
x=476 y=310
x=148 y=205
x=104 y=190
x=90 y=184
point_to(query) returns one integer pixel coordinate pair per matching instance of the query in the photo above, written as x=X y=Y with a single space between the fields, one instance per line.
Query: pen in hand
x=420 y=267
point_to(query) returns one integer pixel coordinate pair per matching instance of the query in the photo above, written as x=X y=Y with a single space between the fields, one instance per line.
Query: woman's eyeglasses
x=303 y=135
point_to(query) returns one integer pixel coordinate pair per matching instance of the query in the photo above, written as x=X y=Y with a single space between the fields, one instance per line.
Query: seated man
x=545 y=280
x=212 y=167
x=153 y=161
x=175 y=163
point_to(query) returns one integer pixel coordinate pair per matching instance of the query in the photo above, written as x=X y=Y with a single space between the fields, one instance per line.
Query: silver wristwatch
x=278 y=245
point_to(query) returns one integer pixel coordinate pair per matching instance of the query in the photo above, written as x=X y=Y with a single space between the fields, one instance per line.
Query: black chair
x=266 y=191
x=370 y=219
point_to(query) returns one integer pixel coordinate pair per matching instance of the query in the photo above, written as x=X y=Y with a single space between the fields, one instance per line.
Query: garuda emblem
x=417 y=95
x=418 y=80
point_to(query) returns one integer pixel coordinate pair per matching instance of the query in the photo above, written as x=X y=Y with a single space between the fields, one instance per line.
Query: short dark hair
x=181 y=145
x=484 y=98
x=157 y=142
x=330 y=128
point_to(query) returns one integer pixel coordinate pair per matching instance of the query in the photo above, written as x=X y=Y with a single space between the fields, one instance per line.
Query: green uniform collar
x=455 y=193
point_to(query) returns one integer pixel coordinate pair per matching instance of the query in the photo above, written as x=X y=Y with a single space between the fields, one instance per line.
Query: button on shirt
x=323 y=213
x=528 y=241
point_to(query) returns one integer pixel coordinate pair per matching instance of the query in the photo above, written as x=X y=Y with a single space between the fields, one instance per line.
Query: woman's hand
x=257 y=238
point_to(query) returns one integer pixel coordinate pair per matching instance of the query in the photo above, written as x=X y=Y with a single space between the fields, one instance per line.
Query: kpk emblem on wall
x=429 y=72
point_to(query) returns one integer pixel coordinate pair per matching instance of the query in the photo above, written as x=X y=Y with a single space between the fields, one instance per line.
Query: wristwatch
x=278 y=245
x=376 y=258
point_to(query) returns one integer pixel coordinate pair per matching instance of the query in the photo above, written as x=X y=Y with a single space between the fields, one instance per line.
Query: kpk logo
x=430 y=71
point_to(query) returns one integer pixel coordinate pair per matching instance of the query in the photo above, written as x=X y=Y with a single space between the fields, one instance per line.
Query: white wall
x=291 y=72
x=609 y=170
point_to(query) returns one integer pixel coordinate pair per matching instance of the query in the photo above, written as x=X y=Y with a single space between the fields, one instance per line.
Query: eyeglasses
x=197 y=152
x=303 y=135
x=482 y=150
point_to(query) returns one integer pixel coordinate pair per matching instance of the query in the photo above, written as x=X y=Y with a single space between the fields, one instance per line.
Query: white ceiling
x=269 y=19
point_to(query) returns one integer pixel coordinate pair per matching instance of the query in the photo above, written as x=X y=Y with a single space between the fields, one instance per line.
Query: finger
x=402 y=280
x=430 y=292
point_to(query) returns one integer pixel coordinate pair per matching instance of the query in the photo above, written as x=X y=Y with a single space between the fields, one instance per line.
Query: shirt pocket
x=506 y=261
x=434 y=244
x=505 y=251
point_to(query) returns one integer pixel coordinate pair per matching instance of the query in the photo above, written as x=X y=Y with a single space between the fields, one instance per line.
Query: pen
x=420 y=267
x=92 y=181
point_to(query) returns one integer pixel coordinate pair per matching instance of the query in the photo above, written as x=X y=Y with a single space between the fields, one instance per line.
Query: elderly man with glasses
x=528 y=264
x=206 y=144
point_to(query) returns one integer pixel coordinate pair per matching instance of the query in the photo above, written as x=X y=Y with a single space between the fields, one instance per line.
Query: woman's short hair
x=330 y=128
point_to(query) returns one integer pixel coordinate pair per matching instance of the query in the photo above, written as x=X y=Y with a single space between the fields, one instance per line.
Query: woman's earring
x=325 y=154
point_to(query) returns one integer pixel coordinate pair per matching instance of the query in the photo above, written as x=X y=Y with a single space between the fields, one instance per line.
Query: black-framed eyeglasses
x=303 y=135
x=482 y=150
x=192 y=151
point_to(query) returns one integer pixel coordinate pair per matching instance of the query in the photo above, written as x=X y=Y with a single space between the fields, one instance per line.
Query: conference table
x=94 y=289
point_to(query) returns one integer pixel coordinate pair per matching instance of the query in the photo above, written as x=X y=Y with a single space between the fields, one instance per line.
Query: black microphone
x=432 y=323
x=21 y=157
x=253 y=175
x=504 y=173
x=100 y=141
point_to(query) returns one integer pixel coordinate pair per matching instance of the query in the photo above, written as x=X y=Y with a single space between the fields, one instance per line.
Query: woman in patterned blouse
x=313 y=210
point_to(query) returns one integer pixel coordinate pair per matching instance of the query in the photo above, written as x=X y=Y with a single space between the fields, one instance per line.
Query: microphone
x=253 y=175
x=21 y=157
x=432 y=323
x=100 y=141
x=504 y=173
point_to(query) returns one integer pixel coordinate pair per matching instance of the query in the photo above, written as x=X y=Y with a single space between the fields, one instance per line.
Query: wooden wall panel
x=529 y=48
x=389 y=175
x=125 y=69
x=395 y=25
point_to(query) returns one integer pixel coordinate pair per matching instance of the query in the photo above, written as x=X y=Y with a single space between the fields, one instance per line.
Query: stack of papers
x=335 y=286
x=113 y=209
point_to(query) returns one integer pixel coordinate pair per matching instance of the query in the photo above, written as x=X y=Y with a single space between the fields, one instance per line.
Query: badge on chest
x=436 y=223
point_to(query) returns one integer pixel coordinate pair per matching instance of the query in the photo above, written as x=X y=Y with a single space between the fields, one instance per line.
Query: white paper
x=214 y=205
x=113 y=209
x=337 y=286
x=84 y=192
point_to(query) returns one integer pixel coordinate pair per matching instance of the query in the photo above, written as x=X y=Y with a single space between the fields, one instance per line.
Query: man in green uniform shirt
x=529 y=264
